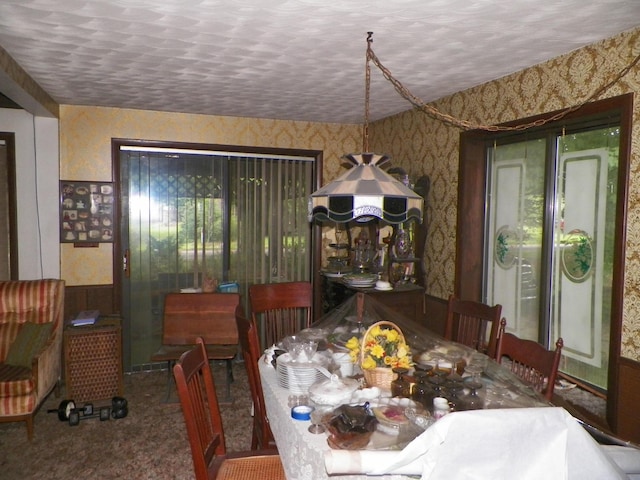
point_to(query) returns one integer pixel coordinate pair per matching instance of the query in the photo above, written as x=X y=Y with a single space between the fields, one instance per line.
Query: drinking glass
x=472 y=401
x=316 y=422
x=310 y=347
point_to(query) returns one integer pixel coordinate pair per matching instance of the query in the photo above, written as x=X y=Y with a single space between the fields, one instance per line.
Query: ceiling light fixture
x=366 y=191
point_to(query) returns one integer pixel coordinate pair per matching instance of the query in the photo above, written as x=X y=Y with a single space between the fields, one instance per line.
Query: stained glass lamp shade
x=363 y=192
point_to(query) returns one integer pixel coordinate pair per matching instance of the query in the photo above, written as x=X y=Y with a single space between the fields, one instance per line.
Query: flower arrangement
x=383 y=345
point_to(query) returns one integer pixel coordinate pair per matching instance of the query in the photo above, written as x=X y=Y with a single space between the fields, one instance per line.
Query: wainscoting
x=88 y=297
x=627 y=400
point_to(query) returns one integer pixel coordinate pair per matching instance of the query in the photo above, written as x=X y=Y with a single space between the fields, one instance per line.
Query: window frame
x=118 y=251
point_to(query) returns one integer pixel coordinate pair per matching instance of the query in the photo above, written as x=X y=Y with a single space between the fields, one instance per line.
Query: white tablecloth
x=302 y=452
x=534 y=442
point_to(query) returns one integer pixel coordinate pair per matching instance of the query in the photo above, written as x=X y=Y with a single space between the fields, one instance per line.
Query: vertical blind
x=197 y=214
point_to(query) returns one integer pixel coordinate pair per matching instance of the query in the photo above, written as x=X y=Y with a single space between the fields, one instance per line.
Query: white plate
x=362 y=277
x=333 y=274
x=298 y=376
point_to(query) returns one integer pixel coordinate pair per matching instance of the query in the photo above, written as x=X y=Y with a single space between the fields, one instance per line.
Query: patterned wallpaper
x=85 y=154
x=422 y=145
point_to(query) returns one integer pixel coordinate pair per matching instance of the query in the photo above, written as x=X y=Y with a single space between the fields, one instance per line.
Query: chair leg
x=29 y=422
x=254 y=437
x=167 y=398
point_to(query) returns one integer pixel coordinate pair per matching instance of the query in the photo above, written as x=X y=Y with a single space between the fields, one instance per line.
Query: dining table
x=509 y=407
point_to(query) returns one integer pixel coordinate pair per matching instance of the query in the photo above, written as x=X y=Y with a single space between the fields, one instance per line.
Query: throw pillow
x=31 y=338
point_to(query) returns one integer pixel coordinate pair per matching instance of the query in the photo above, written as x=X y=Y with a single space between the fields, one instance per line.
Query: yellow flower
x=389 y=361
x=353 y=343
x=392 y=335
x=404 y=362
x=368 y=363
x=376 y=331
x=377 y=351
x=402 y=351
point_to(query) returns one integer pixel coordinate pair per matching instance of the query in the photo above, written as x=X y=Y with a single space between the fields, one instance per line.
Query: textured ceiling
x=289 y=59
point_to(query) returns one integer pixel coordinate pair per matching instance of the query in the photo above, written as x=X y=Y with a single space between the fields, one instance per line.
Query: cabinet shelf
x=404 y=260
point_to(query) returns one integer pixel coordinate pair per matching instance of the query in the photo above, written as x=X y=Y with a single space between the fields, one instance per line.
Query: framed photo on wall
x=86 y=212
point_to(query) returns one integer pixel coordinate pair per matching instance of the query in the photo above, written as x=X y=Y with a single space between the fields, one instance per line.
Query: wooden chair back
x=468 y=322
x=531 y=361
x=211 y=316
x=201 y=410
x=261 y=437
x=280 y=309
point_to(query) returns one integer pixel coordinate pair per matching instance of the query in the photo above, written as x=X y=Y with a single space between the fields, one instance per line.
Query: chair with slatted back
x=280 y=309
x=531 y=361
x=261 y=437
x=201 y=410
x=468 y=322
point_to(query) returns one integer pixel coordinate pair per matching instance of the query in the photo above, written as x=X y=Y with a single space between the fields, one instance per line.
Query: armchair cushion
x=8 y=332
x=17 y=382
x=30 y=340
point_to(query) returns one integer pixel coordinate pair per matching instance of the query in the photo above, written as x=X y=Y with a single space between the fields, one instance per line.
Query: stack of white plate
x=360 y=280
x=297 y=376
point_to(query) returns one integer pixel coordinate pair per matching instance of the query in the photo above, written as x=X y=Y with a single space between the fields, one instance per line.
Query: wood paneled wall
x=628 y=399
x=88 y=297
x=436 y=314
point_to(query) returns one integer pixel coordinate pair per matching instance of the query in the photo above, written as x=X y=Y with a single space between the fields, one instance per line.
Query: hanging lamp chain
x=465 y=124
x=367 y=92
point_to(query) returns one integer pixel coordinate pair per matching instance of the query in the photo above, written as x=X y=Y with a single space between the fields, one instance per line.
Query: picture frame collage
x=86 y=212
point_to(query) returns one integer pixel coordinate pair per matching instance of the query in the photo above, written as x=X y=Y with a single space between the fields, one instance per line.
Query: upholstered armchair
x=31 y=321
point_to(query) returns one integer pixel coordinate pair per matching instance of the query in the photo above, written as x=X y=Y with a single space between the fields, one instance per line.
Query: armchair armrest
x=46 y=365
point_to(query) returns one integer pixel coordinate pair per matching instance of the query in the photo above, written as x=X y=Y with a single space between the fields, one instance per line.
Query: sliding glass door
x=192 y=215
x=550 y=227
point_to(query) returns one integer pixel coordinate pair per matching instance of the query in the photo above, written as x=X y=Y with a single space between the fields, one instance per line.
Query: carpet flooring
x=150 y=443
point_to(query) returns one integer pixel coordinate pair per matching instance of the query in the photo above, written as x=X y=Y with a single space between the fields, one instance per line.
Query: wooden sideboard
x=407 y=300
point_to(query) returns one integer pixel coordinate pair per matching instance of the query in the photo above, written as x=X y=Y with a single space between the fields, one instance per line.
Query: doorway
x=191 y=214
x=551 y=201
x=554 y=239
x=8 y=208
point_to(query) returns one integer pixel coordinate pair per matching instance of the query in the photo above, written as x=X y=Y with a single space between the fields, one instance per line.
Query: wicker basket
x=380 y=377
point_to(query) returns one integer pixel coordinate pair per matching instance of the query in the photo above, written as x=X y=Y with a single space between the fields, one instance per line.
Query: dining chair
x=197 y=393
x=280 y=309
x=261 y=437
x=468 y=322
x=531 y=361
